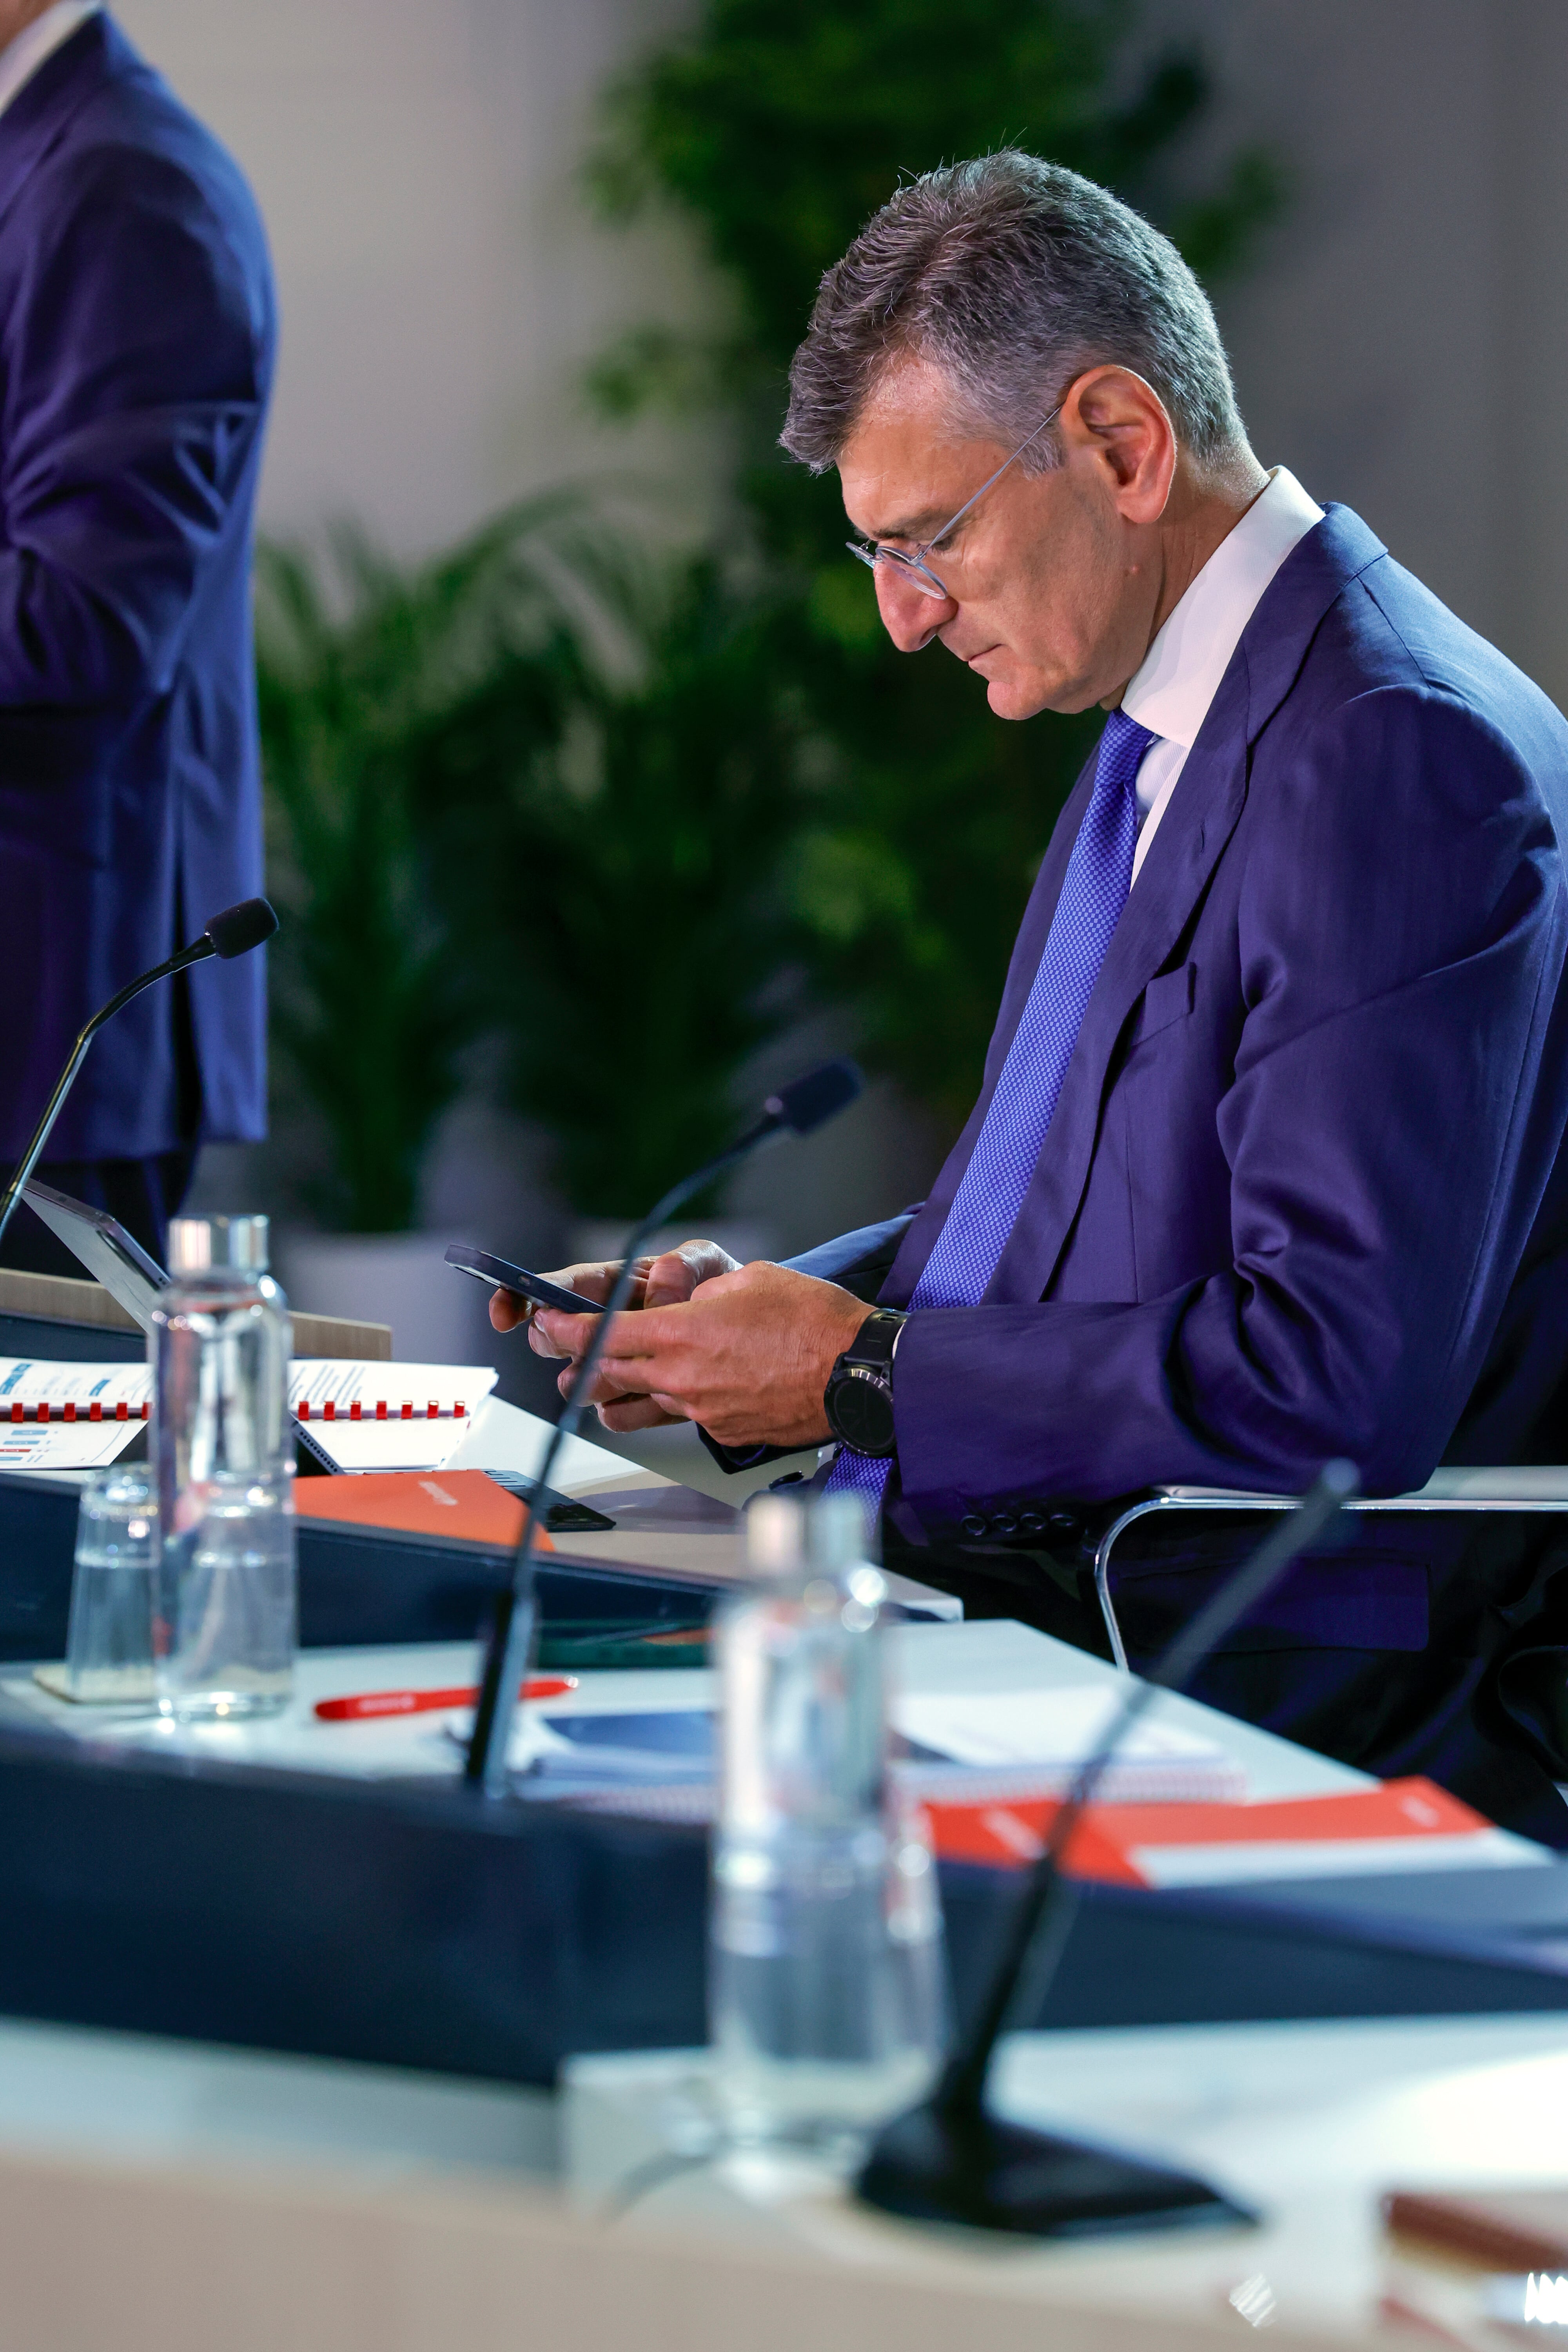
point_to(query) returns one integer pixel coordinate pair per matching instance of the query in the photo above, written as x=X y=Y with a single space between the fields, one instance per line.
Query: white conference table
x=362 y=2175
x=275 y=2201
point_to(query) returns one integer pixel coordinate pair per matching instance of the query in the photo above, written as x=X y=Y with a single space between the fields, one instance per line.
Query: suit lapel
x=1198 y=822
x=43 y=107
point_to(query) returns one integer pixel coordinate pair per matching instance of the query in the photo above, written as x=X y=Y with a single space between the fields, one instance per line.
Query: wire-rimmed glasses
x=913 y=567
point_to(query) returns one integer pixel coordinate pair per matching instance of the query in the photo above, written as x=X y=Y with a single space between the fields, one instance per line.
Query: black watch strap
x=872 y=1346
x=860 y=1394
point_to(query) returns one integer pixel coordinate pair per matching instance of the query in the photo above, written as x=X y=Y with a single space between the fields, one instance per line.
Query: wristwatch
x=859 y=1393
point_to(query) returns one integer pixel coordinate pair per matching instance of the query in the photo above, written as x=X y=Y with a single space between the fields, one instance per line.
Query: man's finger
x=671 y=1278
x=678 y=1271
x=558 y=1332
x=611 y=1382
x=596 y=1279
x=637 y=1412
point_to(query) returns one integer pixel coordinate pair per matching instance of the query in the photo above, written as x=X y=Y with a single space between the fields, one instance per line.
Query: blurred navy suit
x=136 y=346
x=1305 y=1193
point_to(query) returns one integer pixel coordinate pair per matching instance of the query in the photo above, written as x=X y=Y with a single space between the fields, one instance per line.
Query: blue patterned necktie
x=985 y=1207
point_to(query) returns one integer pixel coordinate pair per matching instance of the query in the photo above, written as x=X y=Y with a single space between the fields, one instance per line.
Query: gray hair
x=1012 y=276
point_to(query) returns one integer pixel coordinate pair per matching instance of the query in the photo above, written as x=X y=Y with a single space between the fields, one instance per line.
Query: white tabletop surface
x=991 y=1654
x=1307 y=2123
x=69 y=2090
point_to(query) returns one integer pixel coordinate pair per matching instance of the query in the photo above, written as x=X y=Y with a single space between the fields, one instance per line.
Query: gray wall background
x=1404 y=345
x=1402 y=341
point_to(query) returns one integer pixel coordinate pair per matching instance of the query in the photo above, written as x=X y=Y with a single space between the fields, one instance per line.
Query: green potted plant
x=639 y=926
x=373 y=1005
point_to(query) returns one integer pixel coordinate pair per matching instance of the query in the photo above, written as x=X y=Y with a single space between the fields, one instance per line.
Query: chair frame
x=1532 y=1488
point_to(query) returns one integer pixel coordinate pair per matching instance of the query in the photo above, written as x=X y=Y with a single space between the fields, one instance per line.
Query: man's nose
x=910 y=619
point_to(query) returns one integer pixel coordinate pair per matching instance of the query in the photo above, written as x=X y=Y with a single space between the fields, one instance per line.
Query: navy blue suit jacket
x=1305 y=1193
x=136 y=341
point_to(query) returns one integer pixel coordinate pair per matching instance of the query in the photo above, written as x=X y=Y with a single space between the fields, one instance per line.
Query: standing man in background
x=137 y=328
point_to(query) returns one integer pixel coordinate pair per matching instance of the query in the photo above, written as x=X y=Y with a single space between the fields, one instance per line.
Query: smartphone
x=502 y=1274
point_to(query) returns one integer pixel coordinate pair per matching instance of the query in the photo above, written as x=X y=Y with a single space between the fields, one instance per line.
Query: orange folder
x=1009 y=1835
x=459 y=1506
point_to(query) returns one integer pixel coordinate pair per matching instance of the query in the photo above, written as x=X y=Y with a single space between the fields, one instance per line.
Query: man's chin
x=1026 y=696
x=1014 y=698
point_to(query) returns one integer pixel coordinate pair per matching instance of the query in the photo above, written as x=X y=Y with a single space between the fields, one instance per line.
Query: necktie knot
x=1121 y=750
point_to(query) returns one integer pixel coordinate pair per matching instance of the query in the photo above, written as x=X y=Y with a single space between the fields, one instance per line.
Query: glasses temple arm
x=985 y=485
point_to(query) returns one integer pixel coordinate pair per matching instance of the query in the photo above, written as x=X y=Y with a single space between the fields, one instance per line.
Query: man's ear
x=1115 y=423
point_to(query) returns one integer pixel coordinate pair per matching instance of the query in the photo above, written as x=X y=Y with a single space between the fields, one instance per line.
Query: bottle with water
x=224 y=1625
x=826 y=1979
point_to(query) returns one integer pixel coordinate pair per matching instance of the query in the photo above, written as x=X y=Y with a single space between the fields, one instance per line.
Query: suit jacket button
x=1004 y=1524
x=1031 y=1523
x=974 y=1524
x=1063 y=1523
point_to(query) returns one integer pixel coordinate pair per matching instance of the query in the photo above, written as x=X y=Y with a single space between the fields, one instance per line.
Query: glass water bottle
x=223 y=1624
x=826 y=1979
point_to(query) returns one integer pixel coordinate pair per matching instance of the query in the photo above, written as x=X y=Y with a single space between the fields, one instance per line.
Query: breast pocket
x=1167 y=1000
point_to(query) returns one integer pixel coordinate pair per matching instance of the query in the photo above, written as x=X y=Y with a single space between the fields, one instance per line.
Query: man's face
x=1052 y=579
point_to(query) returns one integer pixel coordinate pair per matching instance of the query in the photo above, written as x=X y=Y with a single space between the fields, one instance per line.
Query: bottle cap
x=821 y=1533
x=237 y=1243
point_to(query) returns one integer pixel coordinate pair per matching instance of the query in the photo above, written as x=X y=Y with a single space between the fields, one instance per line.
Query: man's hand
x=744 y=1351
x=658 y=1282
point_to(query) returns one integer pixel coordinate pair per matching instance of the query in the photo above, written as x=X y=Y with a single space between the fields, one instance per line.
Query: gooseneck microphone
x=799 y=1109
x=233 y=933
x=949 y=2160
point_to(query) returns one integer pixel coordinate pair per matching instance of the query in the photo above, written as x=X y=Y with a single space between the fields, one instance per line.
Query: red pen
x=365 y=1705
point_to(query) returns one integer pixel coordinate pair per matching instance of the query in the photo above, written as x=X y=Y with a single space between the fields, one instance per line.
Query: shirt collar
x=20 y=59
x=1179 y=677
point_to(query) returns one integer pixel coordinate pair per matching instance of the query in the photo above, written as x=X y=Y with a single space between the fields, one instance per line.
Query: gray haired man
x=1300 y=931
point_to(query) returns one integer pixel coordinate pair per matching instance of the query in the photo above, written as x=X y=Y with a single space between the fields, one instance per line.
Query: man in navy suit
x=136 y=344
x=1267 y=1165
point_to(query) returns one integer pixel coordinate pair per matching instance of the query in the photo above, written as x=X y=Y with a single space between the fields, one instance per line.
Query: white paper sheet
x=57 y=1444
x=64 y=1444
x=418 y=1443
x=1036 y=1727
x=504 y=1437
x=33 y=1380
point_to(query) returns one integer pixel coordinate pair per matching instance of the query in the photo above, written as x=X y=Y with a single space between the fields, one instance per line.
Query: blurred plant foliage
x=542 y=789
x=616 y=834
x=777 y=127
x=358 y=665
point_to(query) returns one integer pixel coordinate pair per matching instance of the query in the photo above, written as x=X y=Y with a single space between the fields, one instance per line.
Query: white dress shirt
x=1171 y=692
x=20 y=59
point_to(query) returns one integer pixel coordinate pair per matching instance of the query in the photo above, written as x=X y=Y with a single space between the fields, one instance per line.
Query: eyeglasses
x=915 y=568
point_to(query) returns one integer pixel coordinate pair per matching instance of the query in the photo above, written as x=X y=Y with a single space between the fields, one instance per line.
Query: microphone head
x=239 y=928
x=810 y=1102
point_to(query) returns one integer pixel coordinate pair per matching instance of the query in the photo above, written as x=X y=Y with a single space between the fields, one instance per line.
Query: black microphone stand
x=233 y=933
x=798 y=1109
x=948 y=2160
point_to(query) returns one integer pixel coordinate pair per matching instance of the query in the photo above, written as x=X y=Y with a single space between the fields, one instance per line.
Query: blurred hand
x=744 y=1351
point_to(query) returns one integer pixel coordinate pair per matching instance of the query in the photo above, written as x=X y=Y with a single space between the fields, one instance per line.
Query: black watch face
x=863 y=1414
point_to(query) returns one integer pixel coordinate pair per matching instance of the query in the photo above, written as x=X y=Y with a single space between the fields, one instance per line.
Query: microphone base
x=968 y=2168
